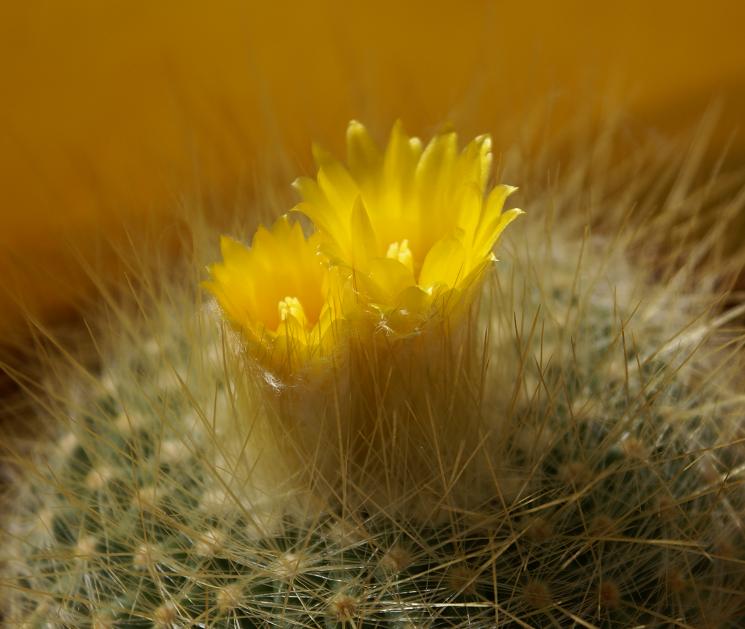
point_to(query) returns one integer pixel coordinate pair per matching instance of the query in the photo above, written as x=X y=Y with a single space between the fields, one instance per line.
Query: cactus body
x=600 y=482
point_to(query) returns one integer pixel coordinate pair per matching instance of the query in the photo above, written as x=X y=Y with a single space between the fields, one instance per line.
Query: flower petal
x=363 y=154
x=489 y=232
x=476 y=162
x=445 y=263
x=401 y=158
x=434 y=172
x=364 y=242
x=389 y=278
x=316 y=206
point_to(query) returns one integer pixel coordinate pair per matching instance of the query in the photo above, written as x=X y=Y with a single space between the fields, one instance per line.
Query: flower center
x=400 y=251
x=291 y=307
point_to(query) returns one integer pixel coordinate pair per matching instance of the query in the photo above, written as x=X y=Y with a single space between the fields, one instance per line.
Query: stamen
x=400 y=251
x=291 y=307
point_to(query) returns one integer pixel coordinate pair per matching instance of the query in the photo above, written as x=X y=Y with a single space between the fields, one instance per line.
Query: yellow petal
x=467 y=202
x=434 y=171
x=338 y=186
x=476 y=162
x=401 y=157
x=435 y=181
x=444 y=264
x=310 y=192
x=364 y=242
x=489 y=232
x=412 y=300
x=363 y=154
x=495 y=201
x=389 y=278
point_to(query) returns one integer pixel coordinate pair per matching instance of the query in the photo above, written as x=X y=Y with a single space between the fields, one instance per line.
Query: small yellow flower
x=413 y=224
x=277 y=293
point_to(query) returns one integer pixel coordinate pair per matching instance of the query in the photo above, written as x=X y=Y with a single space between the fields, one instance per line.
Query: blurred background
x=115 y=113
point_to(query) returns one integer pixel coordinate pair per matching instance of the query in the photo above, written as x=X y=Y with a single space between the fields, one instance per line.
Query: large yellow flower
x=278 y=294
x=414 y=225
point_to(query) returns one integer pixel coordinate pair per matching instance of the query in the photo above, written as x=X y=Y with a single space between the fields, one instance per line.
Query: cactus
x=575 y=457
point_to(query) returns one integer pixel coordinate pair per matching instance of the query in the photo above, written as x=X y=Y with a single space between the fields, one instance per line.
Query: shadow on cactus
x=379 y=427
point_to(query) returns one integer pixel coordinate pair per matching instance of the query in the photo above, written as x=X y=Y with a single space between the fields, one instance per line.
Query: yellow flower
x=277 y=293
x=414 y=225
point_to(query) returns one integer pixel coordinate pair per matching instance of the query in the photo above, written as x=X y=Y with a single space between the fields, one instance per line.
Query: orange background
x=113 y=109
